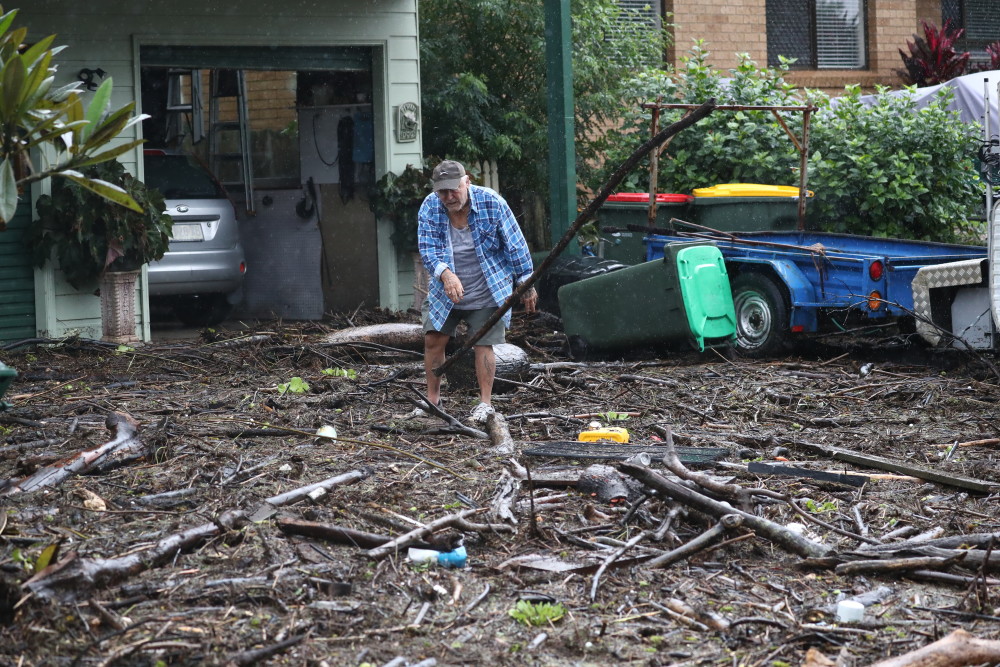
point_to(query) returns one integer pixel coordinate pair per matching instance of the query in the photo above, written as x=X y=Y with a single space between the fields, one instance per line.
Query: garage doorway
x=291 y=133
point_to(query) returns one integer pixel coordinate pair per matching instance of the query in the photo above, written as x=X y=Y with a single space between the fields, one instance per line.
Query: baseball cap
x=447 y=175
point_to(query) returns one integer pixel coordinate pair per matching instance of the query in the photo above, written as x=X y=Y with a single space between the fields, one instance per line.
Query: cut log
x=396 y=334
x=956 y=650
x=511 y=364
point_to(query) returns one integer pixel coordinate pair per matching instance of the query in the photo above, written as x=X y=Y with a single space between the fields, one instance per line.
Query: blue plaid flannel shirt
x=503 y=252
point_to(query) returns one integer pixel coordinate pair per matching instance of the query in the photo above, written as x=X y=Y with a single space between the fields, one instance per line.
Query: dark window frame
x=805 y=42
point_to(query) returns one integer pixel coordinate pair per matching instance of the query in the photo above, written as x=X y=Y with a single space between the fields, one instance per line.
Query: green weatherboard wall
x=17 y=282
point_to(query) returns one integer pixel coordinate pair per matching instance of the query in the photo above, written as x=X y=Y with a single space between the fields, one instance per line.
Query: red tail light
x=876 y=270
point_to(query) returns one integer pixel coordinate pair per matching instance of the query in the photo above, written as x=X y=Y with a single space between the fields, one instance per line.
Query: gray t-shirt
x=477 y=292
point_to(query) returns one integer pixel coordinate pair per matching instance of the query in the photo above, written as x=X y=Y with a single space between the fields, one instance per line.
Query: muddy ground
x=142 y=578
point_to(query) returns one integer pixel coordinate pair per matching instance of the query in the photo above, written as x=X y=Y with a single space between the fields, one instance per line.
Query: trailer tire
x=761 y=315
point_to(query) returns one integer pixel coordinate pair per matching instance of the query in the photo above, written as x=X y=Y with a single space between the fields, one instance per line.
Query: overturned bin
x=684 y=298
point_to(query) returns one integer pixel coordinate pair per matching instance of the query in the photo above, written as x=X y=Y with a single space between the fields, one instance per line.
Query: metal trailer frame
x=801 y=144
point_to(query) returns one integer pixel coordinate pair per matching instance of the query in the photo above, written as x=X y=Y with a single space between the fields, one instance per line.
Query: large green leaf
x=11 y=87
x=38 y=50
x=99 y=104
x=107 y=190
x=8 y=192
x=110 y=154
x=6 y=20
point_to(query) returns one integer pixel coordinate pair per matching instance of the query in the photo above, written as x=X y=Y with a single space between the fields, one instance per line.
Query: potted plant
x=95 y=239
x=398 y=199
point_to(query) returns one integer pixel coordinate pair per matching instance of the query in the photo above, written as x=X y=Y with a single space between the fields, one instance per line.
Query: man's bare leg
x=486 y=369
x=434 y=346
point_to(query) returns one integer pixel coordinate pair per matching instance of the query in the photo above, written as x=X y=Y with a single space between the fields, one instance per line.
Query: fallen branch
x=268 y=508
x=73 y=577
x=956 y=650
x=615 y=555
x=330 y=533
x=777 y=533
x=895 y=565
x=257 y=655
x=727 y=523
x=731 y=491
x=125 y=447
x=413 y=536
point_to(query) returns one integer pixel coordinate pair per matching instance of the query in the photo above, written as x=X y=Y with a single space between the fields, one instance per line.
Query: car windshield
x=181 y=177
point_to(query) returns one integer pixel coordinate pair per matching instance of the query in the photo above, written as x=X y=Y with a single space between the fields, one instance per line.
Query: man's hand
x=530 y=300
x=452 y=286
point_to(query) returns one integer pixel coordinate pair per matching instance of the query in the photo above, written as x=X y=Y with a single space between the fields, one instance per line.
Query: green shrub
x=883 y=170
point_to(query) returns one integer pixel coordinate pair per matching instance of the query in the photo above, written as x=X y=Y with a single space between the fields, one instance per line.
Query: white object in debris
x=327 y=432
x=850 y=611
x=422 y=555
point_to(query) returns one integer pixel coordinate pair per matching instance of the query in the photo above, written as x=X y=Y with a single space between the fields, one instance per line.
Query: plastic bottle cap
x=850 y=611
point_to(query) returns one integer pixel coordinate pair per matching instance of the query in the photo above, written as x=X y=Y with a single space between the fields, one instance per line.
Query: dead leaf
x=92 y=501
x=816 y=659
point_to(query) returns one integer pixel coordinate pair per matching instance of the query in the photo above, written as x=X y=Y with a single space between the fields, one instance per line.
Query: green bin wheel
x=579 y=349
x=761 y=315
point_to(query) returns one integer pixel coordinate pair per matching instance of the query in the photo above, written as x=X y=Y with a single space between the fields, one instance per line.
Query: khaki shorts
x=473 y=318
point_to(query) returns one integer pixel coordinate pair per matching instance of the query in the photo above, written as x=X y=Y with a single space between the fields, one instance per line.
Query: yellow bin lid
x=749 y=190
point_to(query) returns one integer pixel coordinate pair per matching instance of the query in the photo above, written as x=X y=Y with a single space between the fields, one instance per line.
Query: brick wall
x=727 y=26
x=738 y=26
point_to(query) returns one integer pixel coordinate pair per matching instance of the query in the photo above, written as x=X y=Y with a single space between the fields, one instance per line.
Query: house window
x=980 y=19
x=818 y=34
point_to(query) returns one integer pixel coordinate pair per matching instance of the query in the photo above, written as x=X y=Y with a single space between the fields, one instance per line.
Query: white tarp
x=969 y=96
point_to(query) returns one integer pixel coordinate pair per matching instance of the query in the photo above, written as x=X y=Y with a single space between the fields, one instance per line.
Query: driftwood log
x=396 y=334
x=955 y=650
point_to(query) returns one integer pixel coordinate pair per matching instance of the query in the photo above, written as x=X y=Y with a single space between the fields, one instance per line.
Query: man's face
x=454 y=200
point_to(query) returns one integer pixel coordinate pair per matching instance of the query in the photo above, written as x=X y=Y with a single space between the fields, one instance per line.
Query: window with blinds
x=638 y=16
x=819 y=34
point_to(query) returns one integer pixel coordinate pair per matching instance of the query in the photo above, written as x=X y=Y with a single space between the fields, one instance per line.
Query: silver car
x=201 y=276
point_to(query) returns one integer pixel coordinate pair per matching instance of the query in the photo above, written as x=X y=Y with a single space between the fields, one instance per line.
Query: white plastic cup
x=850 y=611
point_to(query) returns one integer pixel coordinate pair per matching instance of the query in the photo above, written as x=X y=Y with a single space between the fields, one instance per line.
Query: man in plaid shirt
x=475 y=253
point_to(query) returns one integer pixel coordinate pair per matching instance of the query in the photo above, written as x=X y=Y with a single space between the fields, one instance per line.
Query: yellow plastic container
x=749 y=190
x=613 y=433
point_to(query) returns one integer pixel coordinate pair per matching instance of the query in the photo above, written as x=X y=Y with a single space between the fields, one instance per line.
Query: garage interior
x=295 y=148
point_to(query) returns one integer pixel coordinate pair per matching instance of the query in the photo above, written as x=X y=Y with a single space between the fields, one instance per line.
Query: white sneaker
x=480 y=413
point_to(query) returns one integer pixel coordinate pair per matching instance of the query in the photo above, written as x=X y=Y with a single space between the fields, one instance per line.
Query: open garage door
x=294 y=144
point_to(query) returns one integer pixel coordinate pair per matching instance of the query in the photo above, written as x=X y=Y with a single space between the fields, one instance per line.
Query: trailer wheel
x=761 y=315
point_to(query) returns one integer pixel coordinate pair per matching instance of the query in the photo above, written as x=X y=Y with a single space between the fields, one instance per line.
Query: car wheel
x=202 y=310
x=761 y=315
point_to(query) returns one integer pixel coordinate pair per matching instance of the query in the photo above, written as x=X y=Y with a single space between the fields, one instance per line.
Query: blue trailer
x=789 y=283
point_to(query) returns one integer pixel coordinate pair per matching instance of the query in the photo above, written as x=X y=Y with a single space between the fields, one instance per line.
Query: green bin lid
x=708 y=300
